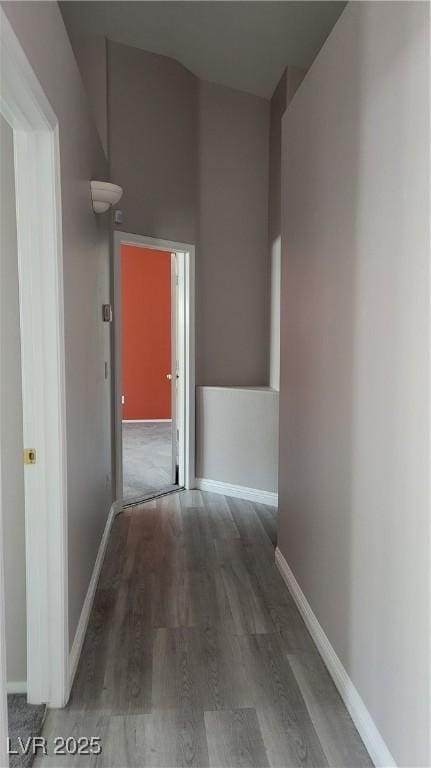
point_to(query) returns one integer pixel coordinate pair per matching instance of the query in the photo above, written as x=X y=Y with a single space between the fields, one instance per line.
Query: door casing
x=25 y=107
x=185 y=253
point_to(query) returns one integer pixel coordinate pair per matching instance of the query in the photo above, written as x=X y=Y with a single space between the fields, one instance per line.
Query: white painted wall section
x=274 y=343
x=237 y=436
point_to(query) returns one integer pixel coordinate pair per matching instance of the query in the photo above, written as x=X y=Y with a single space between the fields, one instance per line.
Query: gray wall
x=232 y=269
x=91 y=55
x=282 y=96
x=278 y=106
x=11 y=443
x=152 y=142
x=193 y=160
x=237 y=436
x=355 y=385
x=90 y=50
x=40 y=29
x=288 y=84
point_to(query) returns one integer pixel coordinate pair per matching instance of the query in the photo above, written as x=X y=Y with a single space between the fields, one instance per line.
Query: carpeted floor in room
x=25 y=720
x=147 y=458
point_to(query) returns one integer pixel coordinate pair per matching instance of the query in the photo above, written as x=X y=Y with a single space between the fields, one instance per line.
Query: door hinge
x=29 y=455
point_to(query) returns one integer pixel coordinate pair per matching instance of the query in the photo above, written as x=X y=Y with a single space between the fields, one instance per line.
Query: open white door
x=174 y=367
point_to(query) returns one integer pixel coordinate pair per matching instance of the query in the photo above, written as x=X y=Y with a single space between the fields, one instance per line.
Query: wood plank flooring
x=196 y=655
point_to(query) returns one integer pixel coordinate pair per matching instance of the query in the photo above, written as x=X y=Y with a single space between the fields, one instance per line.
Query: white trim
x=189 y=420
x=186 y=252
x=177 y=370
x=40 y=266
x=81 y=629
x=238 y=491
x=227 y=387
x=377 y=749
x=147 y=421
x=4 y=758
x=17 y=687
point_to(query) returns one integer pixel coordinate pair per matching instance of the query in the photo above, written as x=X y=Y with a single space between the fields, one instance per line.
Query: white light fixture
x=104 y=194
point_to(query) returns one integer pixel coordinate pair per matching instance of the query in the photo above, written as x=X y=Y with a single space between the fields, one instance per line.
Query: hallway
x=196 y=655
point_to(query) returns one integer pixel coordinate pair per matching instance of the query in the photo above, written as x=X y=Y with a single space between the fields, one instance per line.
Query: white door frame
x=40 y=267
x=176 y=383
x=186 y=294
x=4 y=758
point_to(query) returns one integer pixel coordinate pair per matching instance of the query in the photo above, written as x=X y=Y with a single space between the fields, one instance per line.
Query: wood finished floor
x=195 y=653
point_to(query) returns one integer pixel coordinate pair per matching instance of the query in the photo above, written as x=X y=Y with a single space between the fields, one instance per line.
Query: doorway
x=154 y=366
x=149 y=371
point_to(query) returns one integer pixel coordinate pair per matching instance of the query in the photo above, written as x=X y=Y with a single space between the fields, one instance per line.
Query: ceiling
x=244 y=45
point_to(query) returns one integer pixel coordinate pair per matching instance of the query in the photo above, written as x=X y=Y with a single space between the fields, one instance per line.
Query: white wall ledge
x=238 y=388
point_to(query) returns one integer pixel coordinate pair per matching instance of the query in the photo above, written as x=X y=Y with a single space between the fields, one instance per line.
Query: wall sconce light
x=104 y=194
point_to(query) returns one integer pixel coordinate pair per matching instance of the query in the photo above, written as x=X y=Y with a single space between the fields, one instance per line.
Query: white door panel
x=174 y=367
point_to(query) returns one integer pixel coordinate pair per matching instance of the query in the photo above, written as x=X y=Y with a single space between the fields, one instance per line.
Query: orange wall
x=146 y=332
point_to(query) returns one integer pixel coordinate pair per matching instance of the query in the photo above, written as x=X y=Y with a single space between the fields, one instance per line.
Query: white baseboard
x=147 y=421
x=377 y=749
x=17 y=687
x=81 y=629
x=238 y=491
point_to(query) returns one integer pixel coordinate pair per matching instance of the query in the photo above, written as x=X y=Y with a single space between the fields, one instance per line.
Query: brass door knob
x=169 y=376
